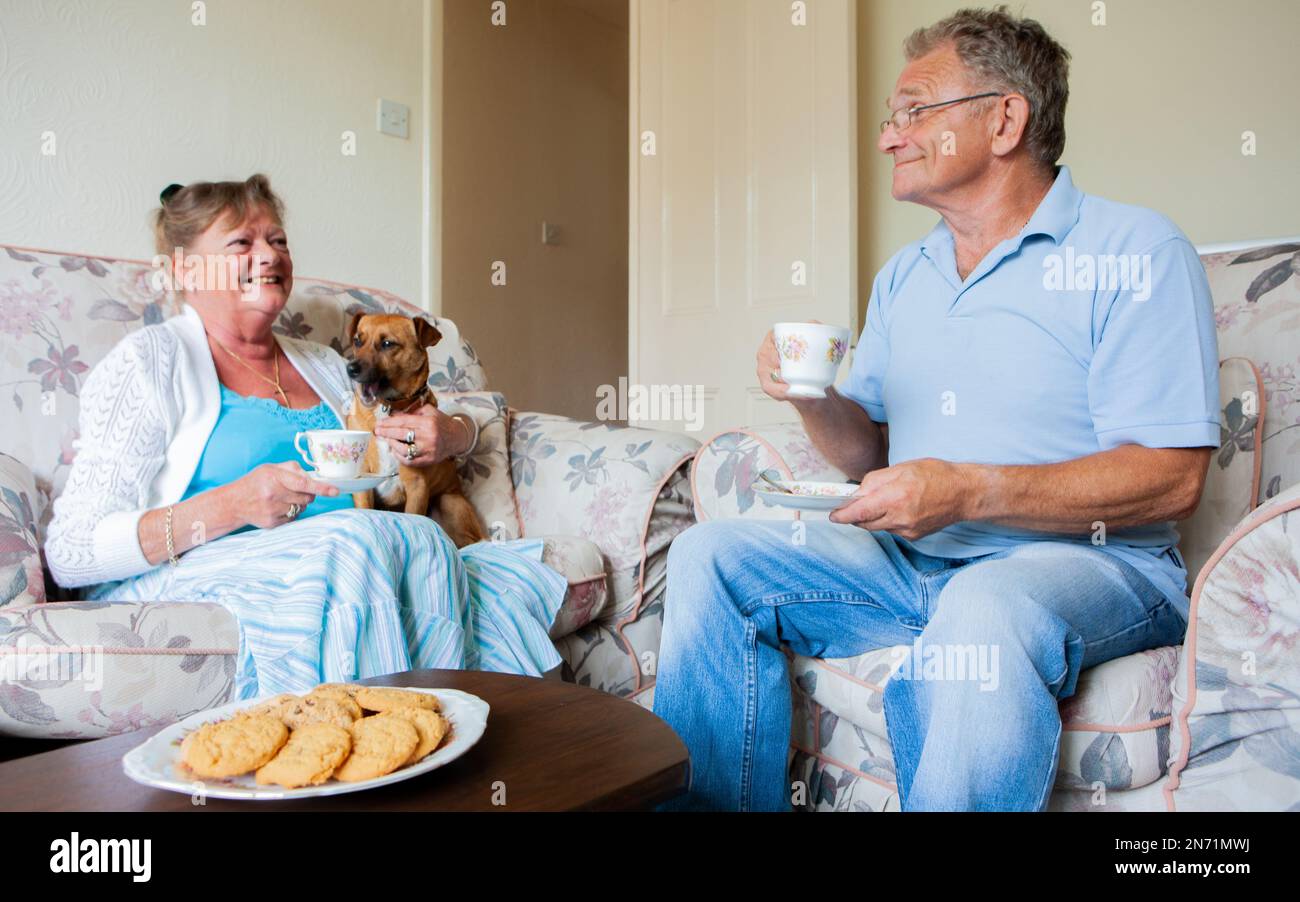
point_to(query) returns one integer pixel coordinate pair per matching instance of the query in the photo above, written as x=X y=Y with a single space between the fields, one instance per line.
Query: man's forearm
x=1124 y=487
x=844 y=434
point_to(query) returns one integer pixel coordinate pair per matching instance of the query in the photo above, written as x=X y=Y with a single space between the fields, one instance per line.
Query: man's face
x=942 y=149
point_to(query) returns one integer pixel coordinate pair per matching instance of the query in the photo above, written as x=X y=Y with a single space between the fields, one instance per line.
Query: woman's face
x=247 y=267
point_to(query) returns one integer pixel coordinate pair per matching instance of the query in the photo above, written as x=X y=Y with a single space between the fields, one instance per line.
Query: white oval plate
x=157 y=762
x=363 y=483
x=814 y=496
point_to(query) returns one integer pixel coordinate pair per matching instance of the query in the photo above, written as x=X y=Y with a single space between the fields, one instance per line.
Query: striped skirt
x=356 y=593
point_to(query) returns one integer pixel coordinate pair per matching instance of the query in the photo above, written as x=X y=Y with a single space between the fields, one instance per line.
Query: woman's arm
x=121 y=446
x=262 y=498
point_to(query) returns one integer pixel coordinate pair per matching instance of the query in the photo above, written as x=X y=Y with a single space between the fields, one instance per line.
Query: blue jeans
x=1007 y=635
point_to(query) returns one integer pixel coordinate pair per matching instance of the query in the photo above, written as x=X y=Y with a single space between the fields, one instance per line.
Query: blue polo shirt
x=1092 y=328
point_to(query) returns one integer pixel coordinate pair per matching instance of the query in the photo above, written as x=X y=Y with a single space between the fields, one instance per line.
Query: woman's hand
x=437 y=436
x=264 y=496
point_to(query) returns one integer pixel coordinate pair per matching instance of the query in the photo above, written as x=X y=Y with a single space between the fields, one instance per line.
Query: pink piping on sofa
x=827 y=759
x=1247 y=526
x=640 y=582
x=1085 y=727
x=1259 y=430
x=695 y=495
x=510 y=464
x=113 y=650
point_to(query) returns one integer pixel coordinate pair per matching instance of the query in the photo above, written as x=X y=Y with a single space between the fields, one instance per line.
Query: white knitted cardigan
x=147 y=411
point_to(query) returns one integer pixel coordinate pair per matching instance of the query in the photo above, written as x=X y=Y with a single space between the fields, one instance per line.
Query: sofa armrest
x=1235 y=738
x=602 y=482
x=83 y=670
x=22 y=579
x=725 y=468
x=625 y=490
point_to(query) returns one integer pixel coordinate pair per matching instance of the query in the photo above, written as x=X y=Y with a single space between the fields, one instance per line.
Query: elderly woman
x=186 y=486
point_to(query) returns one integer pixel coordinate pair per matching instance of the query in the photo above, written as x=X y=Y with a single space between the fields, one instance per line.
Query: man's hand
x=911 y=499
x=769 y=365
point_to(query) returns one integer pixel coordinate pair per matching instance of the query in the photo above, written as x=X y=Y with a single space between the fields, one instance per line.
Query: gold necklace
x=275 y=383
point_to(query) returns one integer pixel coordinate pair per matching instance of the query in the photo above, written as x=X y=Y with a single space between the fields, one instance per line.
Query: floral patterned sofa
x=607 y=499
x=1213 y=724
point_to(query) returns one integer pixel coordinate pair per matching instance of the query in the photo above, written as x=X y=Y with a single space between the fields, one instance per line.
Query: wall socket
x=394 y=118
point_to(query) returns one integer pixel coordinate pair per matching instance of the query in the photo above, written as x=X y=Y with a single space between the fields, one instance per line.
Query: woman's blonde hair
x=187 y=212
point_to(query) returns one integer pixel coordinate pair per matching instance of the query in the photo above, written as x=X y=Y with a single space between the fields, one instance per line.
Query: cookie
x=319 y=709
x=311 y=755
x=380 y=745
x=340 y=695
x=382 y=698
x=272 y=706
x=335 y=689
x=431 y=726
x=233 y=747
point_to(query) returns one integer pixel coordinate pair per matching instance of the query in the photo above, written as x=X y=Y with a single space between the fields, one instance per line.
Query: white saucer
x=363 y=483
x=813 y=496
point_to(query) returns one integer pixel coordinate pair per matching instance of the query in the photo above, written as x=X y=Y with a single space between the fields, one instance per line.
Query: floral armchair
x=1211 y=724
x=607 y=499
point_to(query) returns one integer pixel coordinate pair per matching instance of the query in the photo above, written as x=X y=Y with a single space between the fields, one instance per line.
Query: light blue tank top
x=255 y=431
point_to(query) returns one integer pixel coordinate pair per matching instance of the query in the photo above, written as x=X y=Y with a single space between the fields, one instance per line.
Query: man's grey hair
x=1010 y=54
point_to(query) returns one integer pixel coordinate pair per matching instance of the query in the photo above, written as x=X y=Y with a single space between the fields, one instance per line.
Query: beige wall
x=1160 y=97
x=535 y=128
x=138 y=96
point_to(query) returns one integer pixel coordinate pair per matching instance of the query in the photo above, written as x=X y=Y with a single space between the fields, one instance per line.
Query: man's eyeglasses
x=901 y=120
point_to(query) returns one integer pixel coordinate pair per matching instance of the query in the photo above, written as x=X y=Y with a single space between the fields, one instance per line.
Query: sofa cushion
x=485 y=475
x=1115 y=728
x=82 y=670
x=22 y=581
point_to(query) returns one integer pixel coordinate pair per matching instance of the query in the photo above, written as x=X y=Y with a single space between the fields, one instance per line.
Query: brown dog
x=388 y=361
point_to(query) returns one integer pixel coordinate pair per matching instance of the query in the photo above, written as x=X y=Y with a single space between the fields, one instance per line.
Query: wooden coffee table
x=552 y=745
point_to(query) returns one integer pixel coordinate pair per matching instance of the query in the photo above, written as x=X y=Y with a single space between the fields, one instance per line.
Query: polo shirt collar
x=1056 y=215
x=1058 y=211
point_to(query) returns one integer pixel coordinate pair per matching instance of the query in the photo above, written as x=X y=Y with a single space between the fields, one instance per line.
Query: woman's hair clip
x=168 y=192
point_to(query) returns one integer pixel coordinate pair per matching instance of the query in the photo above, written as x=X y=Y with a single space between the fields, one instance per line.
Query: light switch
x=550 y=233
x=394 y=118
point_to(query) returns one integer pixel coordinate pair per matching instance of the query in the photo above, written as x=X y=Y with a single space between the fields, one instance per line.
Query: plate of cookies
x=334 y=739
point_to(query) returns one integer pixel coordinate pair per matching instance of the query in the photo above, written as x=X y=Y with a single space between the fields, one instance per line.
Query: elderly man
x=1032 y=402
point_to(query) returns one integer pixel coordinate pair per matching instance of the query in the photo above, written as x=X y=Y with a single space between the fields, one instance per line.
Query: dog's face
x=387 y=356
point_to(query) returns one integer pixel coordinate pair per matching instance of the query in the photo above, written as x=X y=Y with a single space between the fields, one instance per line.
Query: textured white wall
x=137 y=96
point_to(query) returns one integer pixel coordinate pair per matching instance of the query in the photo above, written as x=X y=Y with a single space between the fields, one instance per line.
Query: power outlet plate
x=394 y=118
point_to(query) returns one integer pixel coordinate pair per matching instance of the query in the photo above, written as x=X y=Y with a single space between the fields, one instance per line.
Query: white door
x=743 y=193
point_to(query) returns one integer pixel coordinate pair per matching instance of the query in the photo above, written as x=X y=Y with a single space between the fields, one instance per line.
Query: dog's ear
x=425 y=333
x=350 y=332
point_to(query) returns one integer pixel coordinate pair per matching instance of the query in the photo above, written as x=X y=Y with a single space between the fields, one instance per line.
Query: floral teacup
x=810 y=356
x=334 y=453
